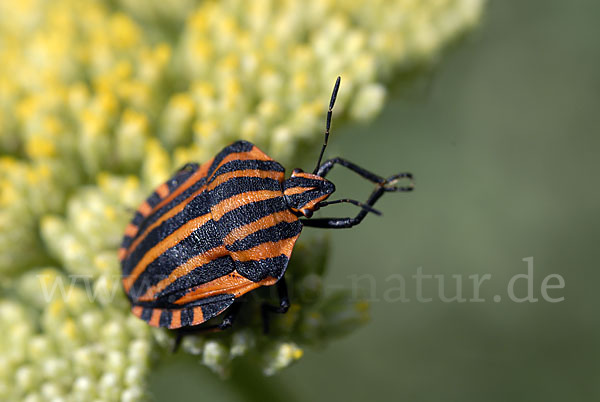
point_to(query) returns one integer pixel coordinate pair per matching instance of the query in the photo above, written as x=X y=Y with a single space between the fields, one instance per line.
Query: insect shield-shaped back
x=304 y=191
x=207 y=236
x=215 y=231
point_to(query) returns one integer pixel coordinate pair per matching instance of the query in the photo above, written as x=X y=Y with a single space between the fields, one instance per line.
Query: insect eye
x=297 y=171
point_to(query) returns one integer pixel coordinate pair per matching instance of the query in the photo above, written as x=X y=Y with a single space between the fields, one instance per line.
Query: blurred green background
x=502 y=137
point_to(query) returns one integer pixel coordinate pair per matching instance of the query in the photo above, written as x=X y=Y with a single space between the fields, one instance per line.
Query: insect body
x=216 y=231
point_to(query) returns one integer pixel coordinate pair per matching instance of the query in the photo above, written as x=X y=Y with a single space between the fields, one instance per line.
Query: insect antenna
x=354 y=202
x=336 y=87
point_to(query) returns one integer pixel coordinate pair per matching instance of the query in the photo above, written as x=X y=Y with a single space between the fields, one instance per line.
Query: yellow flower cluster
x=101 y=100
x=71 y=337
x=57 y=344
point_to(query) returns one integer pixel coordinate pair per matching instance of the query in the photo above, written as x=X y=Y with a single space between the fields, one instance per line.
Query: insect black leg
x=226 y=323
x=328 y=165
x=386 y=185
x=284 y=304
x=342 y=223
x=180 y=335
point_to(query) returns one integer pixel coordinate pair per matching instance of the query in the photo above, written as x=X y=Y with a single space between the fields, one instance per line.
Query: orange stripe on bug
x=145 y=209
x=175 y=319
x=232 y=283
x=169 y=214
x=155 y=319
x=184 y=269
x=254 y=153
x=198 y=316
x=122 y=253
x=137 y=311
x=298 y=190
x=240 y=200
x=162 y=190
x=266 y=250
x=218 y=180
x=179 y=207
x=194 y=178
x=168 y=242
x=260 y=224
x=131 y=230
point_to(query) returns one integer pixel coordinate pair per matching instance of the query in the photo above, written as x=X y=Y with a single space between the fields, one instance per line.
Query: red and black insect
x=216 y=231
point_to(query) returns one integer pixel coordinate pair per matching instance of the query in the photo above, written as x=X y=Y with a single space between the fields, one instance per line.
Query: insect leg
x=383 y=186
x=328 y=165
x=343 y=223
x=284 y=304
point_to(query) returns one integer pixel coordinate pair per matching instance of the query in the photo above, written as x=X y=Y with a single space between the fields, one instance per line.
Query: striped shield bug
x=216 y=231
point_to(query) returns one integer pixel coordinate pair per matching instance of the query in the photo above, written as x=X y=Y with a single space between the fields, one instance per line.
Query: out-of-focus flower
x=58 y=344
x=101 y=101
